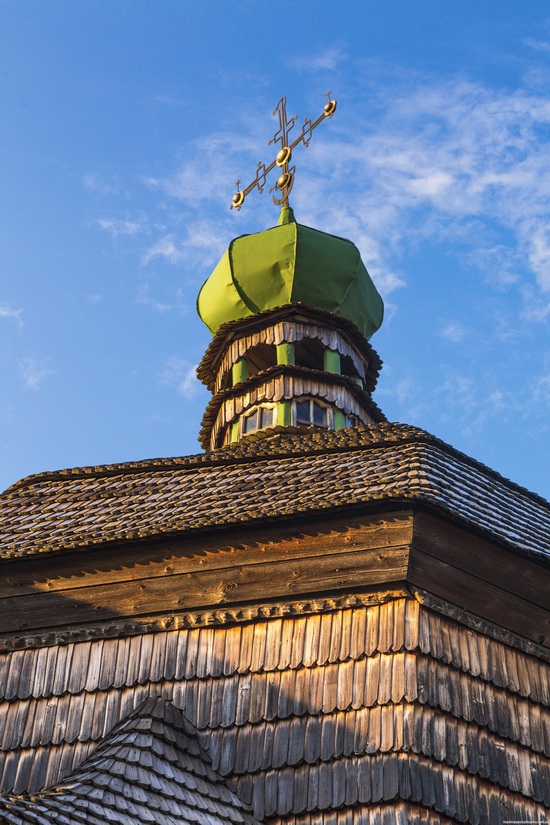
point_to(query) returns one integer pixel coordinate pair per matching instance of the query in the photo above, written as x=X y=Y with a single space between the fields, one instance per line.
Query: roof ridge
x=280 y=445
x=231 y=454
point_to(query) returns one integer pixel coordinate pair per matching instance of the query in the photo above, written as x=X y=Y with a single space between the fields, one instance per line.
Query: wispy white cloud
x=168 y=248
x=116 y=226
x=176 y=301
x=460 y=393
x=181 y=375
x=170 y=101
x=538 y=45
x=204 y=177
x=14 y=314
x=203 y=235
x=404 y=389
x=453 y=331
x=194 y=182
x=466 y=402
x=456 y=162
x=200 y=244
x=34 y=371
x=95 y=182
x=541 y=389
x=327 y=60
x=500 y=264
x=536 y=307
x=472 y=403
x=539 y=250
x=205 y=243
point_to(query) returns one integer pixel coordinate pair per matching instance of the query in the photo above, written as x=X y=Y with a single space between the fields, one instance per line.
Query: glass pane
x=303 y=413
x=251 y=422
x=319 y=415
x=266 y=416
x=351 y=421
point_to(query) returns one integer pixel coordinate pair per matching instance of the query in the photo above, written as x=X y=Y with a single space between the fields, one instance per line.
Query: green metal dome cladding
x=290 y=263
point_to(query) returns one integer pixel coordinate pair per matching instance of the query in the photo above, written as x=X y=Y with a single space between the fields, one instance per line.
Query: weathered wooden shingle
x=393 y=728
x=272 y=645
x=303 y=714
x=391 y=678
x=395 y=813
x=383 y=779
x=293 y=642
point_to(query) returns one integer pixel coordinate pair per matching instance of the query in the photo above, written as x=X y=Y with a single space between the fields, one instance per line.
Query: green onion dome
x=286 y=264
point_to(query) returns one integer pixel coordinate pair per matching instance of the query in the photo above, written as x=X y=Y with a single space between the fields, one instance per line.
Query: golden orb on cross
x=283 y=156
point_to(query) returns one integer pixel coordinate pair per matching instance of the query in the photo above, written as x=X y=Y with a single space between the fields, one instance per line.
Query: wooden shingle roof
x=251 y=483
x=150 y=768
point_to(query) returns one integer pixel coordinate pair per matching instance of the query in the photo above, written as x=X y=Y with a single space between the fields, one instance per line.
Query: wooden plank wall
x=322 y=717
x=481 y=577
x=126 y=584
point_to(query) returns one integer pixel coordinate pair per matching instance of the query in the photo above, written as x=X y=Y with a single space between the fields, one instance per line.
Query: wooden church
x=322 y=619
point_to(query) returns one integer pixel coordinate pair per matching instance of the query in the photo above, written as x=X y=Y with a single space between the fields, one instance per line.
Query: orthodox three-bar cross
x=284 y=155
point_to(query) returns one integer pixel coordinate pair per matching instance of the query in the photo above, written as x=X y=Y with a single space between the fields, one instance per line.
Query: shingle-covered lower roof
x=150 y=768
x=259 y=481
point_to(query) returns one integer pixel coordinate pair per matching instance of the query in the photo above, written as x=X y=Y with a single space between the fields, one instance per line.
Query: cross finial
x=286 y=179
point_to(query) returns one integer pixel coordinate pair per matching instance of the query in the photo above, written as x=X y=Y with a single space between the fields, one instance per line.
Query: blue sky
x=124 y=127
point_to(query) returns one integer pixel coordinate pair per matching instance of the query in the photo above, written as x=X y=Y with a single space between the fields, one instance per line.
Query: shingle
x=452 y=702
x=385 y=778
x=327 y=326
x=241 y=484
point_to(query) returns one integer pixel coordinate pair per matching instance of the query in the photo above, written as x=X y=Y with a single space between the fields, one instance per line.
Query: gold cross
x=284 y=155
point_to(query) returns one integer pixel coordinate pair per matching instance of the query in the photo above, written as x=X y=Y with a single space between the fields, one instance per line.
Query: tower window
x=261 y=357
x=348 y=367
x=250 y=422
x=259 y=419
x=267 y=417
x=309 y=353
x=310 y=413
